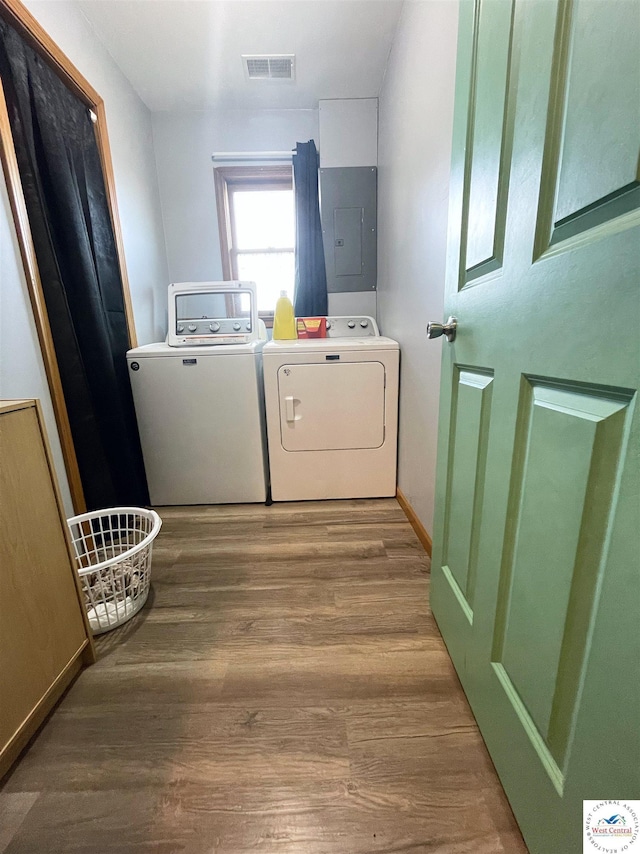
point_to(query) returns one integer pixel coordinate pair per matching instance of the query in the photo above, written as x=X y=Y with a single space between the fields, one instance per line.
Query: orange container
x=312 y=327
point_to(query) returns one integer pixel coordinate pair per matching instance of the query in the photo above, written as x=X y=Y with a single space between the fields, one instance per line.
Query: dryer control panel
x=355 y=326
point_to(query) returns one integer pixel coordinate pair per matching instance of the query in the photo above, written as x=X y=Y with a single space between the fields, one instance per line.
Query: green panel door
x=536 y=565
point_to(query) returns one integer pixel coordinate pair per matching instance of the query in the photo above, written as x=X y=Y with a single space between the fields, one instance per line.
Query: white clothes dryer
x=200 y=413
x=332 y=413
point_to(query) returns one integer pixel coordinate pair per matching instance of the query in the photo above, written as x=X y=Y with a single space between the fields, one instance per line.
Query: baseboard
x=416 y=524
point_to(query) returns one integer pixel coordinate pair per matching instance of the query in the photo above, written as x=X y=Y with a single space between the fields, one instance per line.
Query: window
x=257 y=229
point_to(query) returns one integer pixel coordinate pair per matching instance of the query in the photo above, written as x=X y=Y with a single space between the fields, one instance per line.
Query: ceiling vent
x=269 y=67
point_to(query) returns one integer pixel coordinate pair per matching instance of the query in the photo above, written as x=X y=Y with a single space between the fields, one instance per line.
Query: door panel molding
x=528 y=725
x=488 y=142
x=470 y=417
x=569 y=442
x=565 y=214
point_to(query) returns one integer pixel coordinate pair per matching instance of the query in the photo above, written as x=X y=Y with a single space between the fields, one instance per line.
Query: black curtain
x=70 y=222
x=310 y=298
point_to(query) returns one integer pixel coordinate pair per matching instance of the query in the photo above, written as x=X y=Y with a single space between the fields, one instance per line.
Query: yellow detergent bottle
x=284 y=322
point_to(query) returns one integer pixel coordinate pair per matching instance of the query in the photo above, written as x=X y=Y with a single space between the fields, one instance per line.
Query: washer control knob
x=364 y=323
x=215 y=326
x=248 y=326
x=179 y=328
x=192 y=327
x=351 y=324
x=237 y=326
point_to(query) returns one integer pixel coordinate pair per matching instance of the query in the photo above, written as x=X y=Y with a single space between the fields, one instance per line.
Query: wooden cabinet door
x=42 y=629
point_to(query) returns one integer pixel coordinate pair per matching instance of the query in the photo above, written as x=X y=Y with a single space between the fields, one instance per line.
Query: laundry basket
x=113 y=559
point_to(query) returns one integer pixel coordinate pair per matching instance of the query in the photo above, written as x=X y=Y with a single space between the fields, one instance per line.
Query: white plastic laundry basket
x=113 y=559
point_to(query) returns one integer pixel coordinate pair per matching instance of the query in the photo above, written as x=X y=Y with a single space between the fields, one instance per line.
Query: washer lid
x=151 y=351
x=329 y=345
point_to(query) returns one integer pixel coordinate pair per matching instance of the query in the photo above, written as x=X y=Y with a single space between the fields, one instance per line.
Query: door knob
x=448 y=329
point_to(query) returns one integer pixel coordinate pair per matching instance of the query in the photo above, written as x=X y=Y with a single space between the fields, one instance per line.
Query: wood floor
x=285 y=691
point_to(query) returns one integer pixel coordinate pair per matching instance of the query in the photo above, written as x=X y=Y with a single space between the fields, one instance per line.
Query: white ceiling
x=186 y=54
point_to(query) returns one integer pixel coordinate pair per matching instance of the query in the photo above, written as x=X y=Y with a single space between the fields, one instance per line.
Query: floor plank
x=13 y=811
x=284 y=691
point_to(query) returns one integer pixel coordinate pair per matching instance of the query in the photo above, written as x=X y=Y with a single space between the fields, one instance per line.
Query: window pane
x=264 y=219
x=272 y=273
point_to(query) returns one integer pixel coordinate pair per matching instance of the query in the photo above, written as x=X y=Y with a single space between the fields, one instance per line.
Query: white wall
x=414 y=152
x=131 y=140
x=348 y=132
x=349 y=137
x=184 y=144
x=21 y=368
x=353 y=302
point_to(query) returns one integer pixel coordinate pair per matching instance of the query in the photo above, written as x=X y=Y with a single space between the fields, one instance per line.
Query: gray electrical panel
x=348 y=201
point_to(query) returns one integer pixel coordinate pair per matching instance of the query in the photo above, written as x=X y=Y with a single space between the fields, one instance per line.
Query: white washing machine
x=332 y=413
x=201 y=423
x=200 y=408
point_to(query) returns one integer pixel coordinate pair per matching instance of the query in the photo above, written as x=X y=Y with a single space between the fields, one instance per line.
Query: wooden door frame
x=33 y=33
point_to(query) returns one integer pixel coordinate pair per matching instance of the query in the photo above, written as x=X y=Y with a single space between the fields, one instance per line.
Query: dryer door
x=331 y=406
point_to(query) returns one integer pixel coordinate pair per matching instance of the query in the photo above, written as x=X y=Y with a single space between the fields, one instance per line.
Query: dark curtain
x=311 y=278
x=70 y=222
